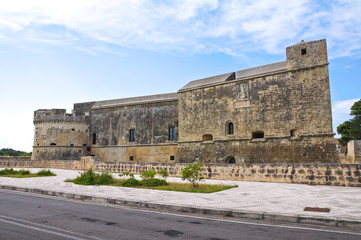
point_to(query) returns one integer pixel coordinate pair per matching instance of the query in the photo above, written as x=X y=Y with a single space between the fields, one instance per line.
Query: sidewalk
x=252 y=200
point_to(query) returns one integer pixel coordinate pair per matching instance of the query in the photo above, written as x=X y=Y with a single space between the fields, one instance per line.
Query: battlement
x=57 y=115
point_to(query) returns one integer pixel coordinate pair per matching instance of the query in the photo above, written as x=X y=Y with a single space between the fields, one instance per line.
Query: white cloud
x=190 y=25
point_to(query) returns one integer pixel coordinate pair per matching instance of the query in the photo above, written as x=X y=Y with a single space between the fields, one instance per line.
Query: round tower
x=59 y=136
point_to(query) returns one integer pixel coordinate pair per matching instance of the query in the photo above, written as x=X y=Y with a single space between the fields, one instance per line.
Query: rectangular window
x=132 y=135
x=171 y=133
x=94 y=138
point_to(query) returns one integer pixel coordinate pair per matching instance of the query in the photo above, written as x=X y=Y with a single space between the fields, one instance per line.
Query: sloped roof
x=274 y=67
x=209 y=81
x=136 y=100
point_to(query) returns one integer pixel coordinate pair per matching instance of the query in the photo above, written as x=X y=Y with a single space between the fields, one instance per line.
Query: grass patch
x=179 y=187
x=148 y=182
x=24 y=173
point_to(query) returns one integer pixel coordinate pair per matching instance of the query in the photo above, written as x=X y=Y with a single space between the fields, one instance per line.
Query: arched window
x=207 y=137
x=258 y=134
x=230 y=128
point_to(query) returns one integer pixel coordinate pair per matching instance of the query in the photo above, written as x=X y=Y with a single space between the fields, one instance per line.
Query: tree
x=351 y=129
x=13 y=153
x=193 y=173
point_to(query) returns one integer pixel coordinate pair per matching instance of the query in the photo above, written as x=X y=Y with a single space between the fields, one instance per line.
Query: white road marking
x=189 y=216
x=41 y=228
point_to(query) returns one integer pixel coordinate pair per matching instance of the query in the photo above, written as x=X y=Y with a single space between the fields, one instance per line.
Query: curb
x=272 y=217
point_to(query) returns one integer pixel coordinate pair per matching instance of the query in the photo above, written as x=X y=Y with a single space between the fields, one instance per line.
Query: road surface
x=28 y=216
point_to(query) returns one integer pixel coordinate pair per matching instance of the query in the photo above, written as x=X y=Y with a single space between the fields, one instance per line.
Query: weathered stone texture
x=300 y=173
x=290 y=106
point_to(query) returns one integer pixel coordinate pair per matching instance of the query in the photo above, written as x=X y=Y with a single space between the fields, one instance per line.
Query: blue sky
x=56 y=53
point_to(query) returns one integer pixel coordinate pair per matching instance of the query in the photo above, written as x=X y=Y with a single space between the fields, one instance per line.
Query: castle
x=279 y=112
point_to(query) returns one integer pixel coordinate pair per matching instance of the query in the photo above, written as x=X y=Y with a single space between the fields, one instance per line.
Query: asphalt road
x=27 y=216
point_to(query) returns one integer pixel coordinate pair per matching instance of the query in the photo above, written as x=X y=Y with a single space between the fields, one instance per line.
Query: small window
x=230 y=128
x=73 y=129
x=171 y=158
x=132 y=135
x=94 y=138
x=84 y=145
x=88 y=149
x=131 y=158
x=52 y=144
x=293 y=133
x=71 y=144
x=230 y=160
x=303 y=51
x=171 y=133
x=79 y=151
x=258 y=135
x=207 y=137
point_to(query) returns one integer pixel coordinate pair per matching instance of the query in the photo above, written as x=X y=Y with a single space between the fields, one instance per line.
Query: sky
x=56 y=53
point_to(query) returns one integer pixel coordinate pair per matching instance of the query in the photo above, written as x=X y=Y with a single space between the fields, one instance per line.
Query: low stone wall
x=313 y=173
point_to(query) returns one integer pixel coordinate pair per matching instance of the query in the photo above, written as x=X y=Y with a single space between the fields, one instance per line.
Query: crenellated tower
x=59 y=135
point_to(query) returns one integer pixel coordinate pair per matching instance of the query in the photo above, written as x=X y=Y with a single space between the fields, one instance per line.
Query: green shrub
x=103 y=178
x=45 y=173
x=91 y=178
x=148 y=175
x=24 y=172
x=131 y=182
x=193 y=173
x=126 y=174
x=7 y=171
x=154 y=182
x=163 y=173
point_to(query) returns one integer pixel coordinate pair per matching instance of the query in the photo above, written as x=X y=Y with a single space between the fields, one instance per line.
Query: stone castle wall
x=275 y=113
x=300 y=173
x=287 y=103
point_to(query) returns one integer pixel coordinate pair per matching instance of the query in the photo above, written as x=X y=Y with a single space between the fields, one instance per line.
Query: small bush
x=24 y=172
x=193 y=173
x=91 y=178
x=131 y=182
x=148 y=175
x=103 y=178
x=163 y=173
x=154 y=182
x=45 y=173
x=7 y=171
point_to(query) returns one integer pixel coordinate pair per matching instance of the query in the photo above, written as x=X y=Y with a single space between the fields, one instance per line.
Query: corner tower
x=59 y=136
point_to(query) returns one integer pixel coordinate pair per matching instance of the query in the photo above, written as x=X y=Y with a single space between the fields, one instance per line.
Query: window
x=293 y=133
x=131 y=158
x=207 y=137
x=258 y=135
x=132 y=135
x=171 y=133
x=230 y=160
x=303 y=51
x=53 y=144
x=94 y=138
x=230 y=128
x=172 y=158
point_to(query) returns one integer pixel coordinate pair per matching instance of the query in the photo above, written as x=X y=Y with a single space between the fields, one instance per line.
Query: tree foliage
x=13 y=153
x=351 y=129
x=193 y=173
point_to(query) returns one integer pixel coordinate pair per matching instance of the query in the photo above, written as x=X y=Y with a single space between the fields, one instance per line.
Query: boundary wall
x=334 y=174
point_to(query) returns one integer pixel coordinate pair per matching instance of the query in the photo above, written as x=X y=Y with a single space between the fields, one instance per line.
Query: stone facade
x=275 y=113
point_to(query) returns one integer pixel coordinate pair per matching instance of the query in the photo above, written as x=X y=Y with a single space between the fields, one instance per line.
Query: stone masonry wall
x=300 y=173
